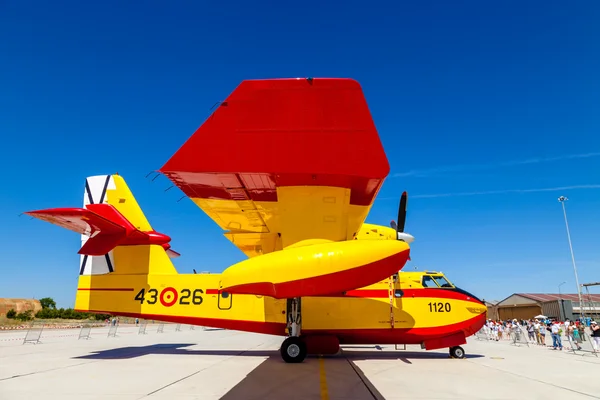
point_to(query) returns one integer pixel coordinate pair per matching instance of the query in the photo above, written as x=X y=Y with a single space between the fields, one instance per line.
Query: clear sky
x=484 y=103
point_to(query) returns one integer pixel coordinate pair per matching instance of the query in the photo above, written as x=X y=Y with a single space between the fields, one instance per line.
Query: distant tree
x=24 y=316
x=48 y=302
x=11 y=314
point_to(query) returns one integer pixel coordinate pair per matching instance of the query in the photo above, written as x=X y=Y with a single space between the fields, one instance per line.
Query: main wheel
x=457 y=352
x=293 y=350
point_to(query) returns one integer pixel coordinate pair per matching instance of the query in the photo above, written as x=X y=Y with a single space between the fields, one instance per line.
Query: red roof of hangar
x=542 y=297
x=284 y=132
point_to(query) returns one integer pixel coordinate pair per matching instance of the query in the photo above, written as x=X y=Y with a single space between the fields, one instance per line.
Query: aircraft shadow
x=273 y=378
x=180 y=349
x=167 y=348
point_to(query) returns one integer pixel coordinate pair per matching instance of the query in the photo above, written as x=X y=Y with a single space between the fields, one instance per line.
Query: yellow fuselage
x=398 y=310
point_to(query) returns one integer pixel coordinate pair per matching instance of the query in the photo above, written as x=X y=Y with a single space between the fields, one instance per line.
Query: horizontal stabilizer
x=106 y=227
x=78 y=220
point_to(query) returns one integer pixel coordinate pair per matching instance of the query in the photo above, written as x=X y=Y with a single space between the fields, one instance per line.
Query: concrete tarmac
x=221 y=364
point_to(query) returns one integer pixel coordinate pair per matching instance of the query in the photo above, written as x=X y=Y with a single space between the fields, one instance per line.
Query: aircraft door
x=225 y=300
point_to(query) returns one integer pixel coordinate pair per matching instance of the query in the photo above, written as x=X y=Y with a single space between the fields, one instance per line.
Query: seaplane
x=289 y=169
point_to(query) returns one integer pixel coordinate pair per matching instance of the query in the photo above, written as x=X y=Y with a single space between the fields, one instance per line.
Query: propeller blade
x=402 y=213
x=394 y=226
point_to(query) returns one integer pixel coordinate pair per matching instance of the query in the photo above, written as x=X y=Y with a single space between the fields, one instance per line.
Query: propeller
x=399 y=227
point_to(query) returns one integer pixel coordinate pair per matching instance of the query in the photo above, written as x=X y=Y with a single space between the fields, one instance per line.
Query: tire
x=457 y=352
x=293 y=350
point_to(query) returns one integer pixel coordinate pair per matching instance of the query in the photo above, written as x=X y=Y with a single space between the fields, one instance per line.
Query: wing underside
x=284 y=160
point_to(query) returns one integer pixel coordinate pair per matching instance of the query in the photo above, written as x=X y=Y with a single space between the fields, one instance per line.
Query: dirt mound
x=19 y=305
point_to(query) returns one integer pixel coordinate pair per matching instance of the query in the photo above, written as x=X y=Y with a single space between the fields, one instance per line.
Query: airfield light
x=562 y=200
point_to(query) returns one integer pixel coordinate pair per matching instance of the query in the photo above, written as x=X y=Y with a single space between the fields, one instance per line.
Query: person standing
x=536 y=329
x=573 y=336
x=581 y=329
x=575 y=332
x=531 y=331
x=543 y=328
x=595 y=335
x=556 y=340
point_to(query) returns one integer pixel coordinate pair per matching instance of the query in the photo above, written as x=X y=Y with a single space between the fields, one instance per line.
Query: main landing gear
x=293 y=349
x=457 y=352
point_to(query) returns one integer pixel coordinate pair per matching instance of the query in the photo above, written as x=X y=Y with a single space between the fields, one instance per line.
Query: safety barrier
x=482 y=334
x=34 y=333
x=581 y=345
x=518 y=336
x=38 y=330
x=113 y=330
x=143 y=326
x=85 y=332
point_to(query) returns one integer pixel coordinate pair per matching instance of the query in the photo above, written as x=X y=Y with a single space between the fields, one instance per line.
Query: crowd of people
x=537 y=330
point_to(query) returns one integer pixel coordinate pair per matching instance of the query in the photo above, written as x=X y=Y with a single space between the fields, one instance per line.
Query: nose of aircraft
x=478 y=321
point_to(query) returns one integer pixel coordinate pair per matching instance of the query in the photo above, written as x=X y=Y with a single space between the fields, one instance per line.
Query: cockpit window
x=428 y=282
x=442 y=282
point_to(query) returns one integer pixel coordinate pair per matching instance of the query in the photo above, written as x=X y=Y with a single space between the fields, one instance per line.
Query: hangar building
x=559 y=306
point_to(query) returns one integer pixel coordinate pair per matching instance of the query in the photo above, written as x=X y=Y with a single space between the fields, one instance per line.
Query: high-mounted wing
x=284 y=160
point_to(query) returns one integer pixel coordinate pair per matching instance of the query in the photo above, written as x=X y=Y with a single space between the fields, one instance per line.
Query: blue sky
x=468 y=97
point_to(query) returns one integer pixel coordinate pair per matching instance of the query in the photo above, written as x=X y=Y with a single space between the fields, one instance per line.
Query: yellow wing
x=284 y=160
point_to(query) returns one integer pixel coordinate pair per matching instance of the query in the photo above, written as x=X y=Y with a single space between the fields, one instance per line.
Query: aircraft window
x=224 y=295
x=428 y=282
x=398 y=293
x=442 y=282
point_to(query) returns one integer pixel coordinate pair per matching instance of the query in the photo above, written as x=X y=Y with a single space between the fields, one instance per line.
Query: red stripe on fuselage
x=345 y=336
x=413 y=293
x=384 y=294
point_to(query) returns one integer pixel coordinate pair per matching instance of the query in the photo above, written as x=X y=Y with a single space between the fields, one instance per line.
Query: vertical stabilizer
x=138 y=259
x=96 y=188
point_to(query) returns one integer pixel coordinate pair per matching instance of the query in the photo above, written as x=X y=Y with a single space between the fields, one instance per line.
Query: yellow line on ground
x=323 y=380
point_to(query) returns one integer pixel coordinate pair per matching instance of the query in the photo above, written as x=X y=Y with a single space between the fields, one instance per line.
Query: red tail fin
x=104 y=224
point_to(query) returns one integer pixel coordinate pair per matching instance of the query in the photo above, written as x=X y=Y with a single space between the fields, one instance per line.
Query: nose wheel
x=293 y=350
x=457 y=352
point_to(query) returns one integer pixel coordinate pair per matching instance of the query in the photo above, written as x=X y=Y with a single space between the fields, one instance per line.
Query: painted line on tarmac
x=197 y=372
x=323 y=379
x=49 y=370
